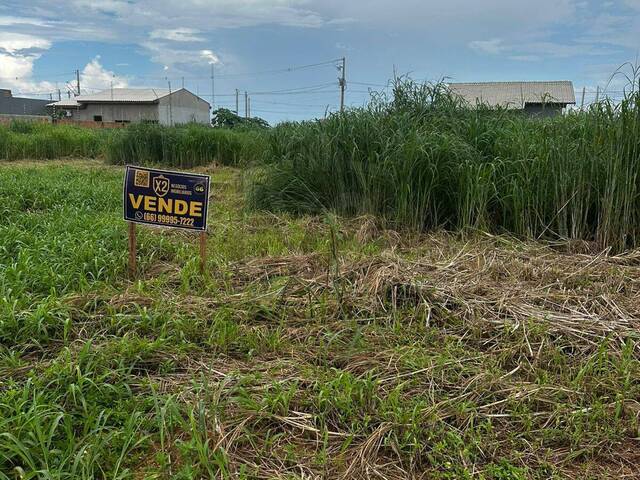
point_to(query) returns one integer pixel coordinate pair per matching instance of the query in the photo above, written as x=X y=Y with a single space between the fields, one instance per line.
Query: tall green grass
x=420 y=159
x=182 y=146
x=39 y=141
x=185 y=146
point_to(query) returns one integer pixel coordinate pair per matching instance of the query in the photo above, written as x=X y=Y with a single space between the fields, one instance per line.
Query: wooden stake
x=203 y=252
x=132 y=250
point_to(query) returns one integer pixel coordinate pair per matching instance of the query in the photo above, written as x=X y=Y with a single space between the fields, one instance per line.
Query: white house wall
x=128 y=112
x=183 y=107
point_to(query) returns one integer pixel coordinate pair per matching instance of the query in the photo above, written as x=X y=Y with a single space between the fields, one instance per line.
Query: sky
x=285 y=53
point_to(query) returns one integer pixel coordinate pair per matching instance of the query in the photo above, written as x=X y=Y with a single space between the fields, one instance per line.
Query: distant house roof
x=118 y=95
x=127 y=95
x=21 y=106
x=515 y=94
x=67 y=102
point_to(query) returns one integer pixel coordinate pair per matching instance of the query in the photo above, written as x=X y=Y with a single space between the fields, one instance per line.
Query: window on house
x=97 y=118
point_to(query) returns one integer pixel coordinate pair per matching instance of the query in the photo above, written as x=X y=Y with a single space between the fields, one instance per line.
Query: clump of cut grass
x=422 y=160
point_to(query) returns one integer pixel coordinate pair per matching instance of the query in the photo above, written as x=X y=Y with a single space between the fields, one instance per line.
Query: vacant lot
x=315 y=347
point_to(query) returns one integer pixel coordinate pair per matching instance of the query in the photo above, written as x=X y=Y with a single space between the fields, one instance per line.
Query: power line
x=366 y=84
x=260 y=72
x=267 y=94
x=260 y=110
x=321 y=105
x=39 y=77
x=286 y=90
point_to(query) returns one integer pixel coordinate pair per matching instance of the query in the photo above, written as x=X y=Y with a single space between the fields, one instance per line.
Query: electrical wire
x=248 y=74
x=351 y=82
x=287 y=90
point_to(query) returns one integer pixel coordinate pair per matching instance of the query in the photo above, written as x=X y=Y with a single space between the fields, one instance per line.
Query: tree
x=225 y=118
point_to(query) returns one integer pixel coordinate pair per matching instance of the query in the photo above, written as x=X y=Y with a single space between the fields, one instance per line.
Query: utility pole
x=78 y=81
x=237 y=92
x=59 y=95
x=213 y=95
x=170 y=106
x=342 y=81
x=249 y=108
x=597 y=94
x=246 y=104
x=582 y=101
x=51 y=97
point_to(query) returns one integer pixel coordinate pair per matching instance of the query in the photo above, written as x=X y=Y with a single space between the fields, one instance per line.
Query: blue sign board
x=166 y=199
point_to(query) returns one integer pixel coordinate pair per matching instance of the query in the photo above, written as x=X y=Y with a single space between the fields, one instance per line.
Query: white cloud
x=527 y=31
x=526 y=58
x=15 y=67
x=102 y=6
x=178 y=35
x=176 y=56
x=466 y=16
x=15 y=42
x=529 y=51
x=492 y=47
x=343 y=46
x=209 y=56
x=614 y=29
x=95 y=77
x=18 y=52
x=201 y=14
x=159 y=25
x=7 y=21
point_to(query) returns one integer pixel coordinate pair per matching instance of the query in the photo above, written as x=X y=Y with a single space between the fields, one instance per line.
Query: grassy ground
x=315 y=347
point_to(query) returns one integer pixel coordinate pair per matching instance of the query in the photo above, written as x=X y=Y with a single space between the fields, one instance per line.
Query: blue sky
x=153 y=42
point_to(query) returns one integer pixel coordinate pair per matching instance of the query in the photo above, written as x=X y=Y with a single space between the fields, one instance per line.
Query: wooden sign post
x=165 y=199
x=203 y=252
x=132 y=250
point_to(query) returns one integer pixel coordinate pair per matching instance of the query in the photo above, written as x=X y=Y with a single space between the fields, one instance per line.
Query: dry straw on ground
x=493 y=294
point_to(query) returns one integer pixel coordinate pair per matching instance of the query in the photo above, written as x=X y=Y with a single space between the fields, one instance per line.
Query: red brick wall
x=7 y=119
x=90 y=124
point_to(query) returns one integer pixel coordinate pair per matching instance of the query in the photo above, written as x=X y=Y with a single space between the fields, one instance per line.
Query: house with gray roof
x=534 y=98
x=126 y=105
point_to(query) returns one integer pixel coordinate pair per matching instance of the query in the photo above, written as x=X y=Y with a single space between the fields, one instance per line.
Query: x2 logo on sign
x=161 y=185
x=164 y=198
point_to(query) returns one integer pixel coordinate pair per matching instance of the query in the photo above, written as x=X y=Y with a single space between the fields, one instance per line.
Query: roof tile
x=515 y=94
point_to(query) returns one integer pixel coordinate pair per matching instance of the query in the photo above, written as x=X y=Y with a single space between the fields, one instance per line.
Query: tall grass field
x=183 y=146
x=421 y=160
x=416 y=159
